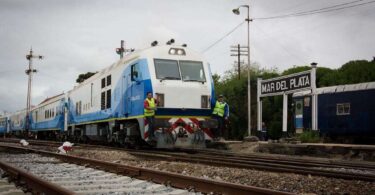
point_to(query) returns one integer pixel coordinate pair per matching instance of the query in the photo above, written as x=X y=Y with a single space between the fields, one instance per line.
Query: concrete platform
x=346 y=151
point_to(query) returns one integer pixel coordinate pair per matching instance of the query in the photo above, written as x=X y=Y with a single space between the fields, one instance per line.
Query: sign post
x=285 y=85
x=259 y=105
x=314 y=108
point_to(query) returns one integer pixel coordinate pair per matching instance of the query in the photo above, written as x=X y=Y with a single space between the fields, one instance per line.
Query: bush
x=309 y=136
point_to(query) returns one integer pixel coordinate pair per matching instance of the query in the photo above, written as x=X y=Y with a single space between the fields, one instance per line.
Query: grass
x=309 y=136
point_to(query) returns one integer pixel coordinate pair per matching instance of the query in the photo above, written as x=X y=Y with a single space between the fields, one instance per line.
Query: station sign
x=286 y=84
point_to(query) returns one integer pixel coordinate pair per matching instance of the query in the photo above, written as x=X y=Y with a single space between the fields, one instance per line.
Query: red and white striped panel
x=188 y=123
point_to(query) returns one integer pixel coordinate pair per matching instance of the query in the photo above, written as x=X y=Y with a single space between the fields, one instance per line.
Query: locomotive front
x=183 y=87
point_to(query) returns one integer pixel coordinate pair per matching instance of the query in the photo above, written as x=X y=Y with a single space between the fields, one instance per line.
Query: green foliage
x=309 y=136
x=357 y=72
x=296 y=69
x=83 y=77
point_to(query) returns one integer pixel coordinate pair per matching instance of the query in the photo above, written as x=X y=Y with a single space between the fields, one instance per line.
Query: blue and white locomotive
x=108 y=106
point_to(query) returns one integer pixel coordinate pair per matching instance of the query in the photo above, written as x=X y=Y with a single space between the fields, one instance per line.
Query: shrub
x=309 y=136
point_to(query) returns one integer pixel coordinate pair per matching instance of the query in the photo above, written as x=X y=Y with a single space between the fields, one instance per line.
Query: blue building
x=343 y=110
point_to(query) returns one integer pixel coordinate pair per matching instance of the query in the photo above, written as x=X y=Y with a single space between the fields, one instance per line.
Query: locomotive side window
x=192 y=71
x=167 y=69
x=343 y=109
x=103 y=82
x=134 y=72
x=108 y=99
x=109 y=80
x=102 y=102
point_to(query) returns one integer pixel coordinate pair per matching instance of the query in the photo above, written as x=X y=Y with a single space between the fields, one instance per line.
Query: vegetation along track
x=328 y=168
x=68 y=175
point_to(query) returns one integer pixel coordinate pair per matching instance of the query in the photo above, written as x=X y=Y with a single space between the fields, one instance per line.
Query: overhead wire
x=223 y=37
x=318 y=11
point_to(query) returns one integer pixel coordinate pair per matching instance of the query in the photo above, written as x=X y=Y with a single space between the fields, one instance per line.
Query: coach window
x=80 y=107
x=343 y=109
x=103 y=82
x=76 y=108
x=167 y=69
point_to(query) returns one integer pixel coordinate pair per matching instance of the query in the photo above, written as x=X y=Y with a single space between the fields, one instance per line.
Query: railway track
x=88 y=176
x=328 y=168
x=65 y=178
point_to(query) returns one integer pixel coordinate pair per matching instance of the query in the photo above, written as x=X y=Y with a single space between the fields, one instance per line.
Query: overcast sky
x=80 y=36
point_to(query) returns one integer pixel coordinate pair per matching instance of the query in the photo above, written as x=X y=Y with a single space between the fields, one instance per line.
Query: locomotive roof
x=158 y=51
x=338 y=89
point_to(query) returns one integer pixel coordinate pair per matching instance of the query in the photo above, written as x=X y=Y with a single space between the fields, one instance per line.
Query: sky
x=77 y=36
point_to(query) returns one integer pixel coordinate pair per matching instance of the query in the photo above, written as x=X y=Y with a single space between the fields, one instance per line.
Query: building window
x=109 y=80
x=108 y=99
x=343 y=109
x=102 y=102
x=103 y=82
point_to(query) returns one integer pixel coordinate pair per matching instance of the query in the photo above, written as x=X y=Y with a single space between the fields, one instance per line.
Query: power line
x=227 y=34
x=320 y=10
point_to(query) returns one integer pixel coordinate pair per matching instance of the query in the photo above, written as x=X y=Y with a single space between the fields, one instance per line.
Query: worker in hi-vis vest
x=220 y=113
x=149 y=112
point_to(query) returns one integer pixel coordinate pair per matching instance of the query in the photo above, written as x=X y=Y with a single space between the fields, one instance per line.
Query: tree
x=83 y=77
x=357 y=71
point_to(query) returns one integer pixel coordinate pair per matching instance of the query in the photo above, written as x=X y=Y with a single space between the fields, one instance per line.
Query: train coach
x=47 y=119
x=343 y=111
x=109 y=106
x=3 y=124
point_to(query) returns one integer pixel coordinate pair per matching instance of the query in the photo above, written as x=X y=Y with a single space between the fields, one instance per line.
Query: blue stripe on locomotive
x=360 y=121
x=130 y=102
x=213 y=98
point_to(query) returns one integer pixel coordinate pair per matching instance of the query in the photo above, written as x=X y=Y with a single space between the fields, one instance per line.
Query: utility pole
x=239 y=51
x=121 y=50
x=30 y=72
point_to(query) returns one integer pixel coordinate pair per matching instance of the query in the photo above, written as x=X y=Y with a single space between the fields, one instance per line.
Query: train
x=109 y=106
x=345 y=112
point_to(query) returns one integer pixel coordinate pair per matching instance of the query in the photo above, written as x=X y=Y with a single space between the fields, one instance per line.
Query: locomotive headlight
x=177 y=51
x=172 y=51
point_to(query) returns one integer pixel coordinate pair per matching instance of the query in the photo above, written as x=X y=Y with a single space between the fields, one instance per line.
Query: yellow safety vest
x=151 y=104
x=219 y=108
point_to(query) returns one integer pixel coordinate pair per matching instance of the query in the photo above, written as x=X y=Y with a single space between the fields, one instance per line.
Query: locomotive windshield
x=170 y=70
x=192 y=71
x=167 y=69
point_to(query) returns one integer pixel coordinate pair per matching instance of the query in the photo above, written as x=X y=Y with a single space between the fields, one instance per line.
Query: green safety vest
x=219 y=109
x=151 y=104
